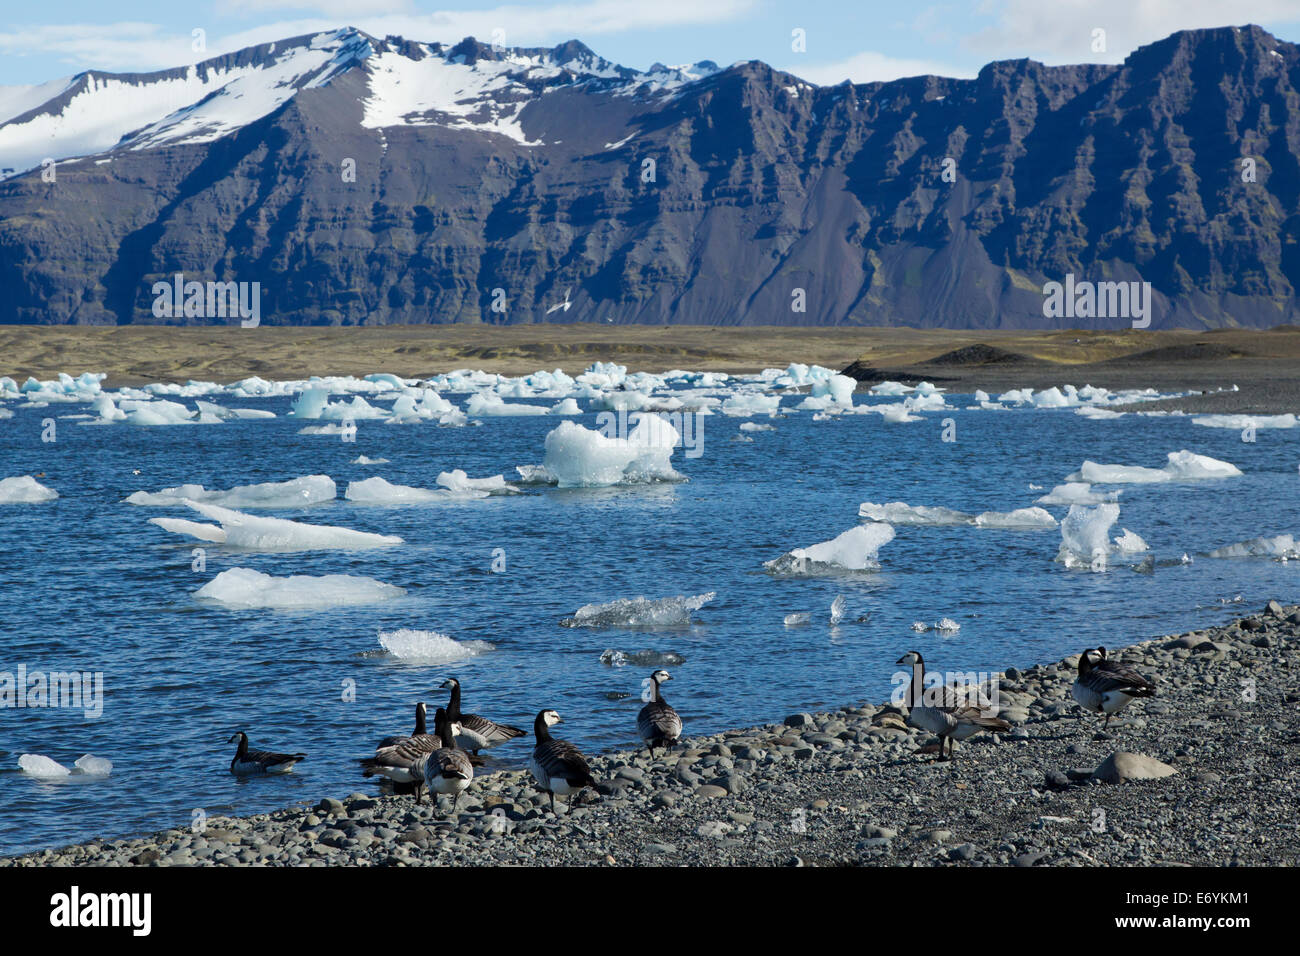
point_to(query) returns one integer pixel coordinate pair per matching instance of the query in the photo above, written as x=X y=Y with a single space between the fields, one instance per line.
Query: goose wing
x=977 y=717
x=405 y=753
x=560 y=759
x=489 y=730
x=658 y=720
x=268 y=758
x=449 y=762
x=1111 y=676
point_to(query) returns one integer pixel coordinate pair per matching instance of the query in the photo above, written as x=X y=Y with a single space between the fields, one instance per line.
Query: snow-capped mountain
x=469 y=86
x=365 y=180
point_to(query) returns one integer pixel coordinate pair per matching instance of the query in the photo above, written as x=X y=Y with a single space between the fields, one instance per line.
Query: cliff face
x=528 y=178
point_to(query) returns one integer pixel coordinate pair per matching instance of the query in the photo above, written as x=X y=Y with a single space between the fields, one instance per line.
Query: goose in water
x=658 y=724
x=476 y=733
x=1106 y=687
x=248 y=761
x=941 y=711
x=401 y=761
x=557 y=765
x=447 y=770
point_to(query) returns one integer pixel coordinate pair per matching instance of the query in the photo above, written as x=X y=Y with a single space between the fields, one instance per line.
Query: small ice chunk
x=854 y=550
x=1130 y=542
x=1026 y=519
x=24 y=490
x=1085 y=536
x=897 y=512
x=797 y=619
x=241 y=588
x=94 y=766
x=364 y=460
x=38 y=765
x=947 y=625
x=1075 y=493
x=430 y=647
x=837 y=609
x=639 y=612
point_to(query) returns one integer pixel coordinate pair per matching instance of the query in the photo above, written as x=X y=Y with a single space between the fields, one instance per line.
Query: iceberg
x=430 y=647
x=897 y=512
x=579 y=457
x=854 y=550
x=1085 y=536
x=41 y=766
x=1280 y=546
x=486 y=405
x=1242 y=422
x=639 y=612
x=1181 y=466
x=24 y=490
x=1076 y=493
x=1130 y=542
x=462 y=486
x=1026 y=519
x=244 y=588
x=378 y=491
x=240 y=530
x=295 y=493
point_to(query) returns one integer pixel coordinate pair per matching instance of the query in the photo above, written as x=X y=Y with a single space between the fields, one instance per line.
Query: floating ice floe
x=295 y=493
x=232 y=414
x=639 y=612
x=24 y=490
x=579 y=457
x=797 y=619
x=947 y=625
x=1280 y=546
x=854 y=550
x=1098 y=414
x=364 y=460
x=745 y=404
x=1076 y=493
x=756 y=427
x=1182 y=466
x=1242 y=422
x=253 y=533
x=1130 y=542
x=430 y=647
x=644 y=658
x=244 y=588
x=485 y=404
x=45 y=768
x=898 y=512
x=456 y=486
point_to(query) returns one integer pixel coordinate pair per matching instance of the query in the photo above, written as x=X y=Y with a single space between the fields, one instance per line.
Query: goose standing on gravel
x=1106 y=687
x=447 y=770
x=402 y=761
x=247 y=762
x=946 y=716
x=658 y=724
x=476 y=733
x=557 y=765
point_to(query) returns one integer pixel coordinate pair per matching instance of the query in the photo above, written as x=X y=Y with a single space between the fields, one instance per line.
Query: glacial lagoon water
x=87 y=584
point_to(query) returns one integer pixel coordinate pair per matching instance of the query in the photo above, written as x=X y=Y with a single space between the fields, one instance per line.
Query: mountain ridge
x=487 y=174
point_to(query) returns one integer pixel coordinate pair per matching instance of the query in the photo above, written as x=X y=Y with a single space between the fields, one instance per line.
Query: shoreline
x=845 y=787
x=1264 y=363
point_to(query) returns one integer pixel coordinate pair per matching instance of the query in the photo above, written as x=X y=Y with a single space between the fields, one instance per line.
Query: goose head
x=550 y=718
x=1089 y=659
x=1101 y=652
x=660 y=676
x=237 y=736
x=911 y=658
x=449 y=684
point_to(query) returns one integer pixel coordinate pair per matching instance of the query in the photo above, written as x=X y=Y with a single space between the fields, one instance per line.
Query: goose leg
x=1106 y=724
x=552 y=801
x=454 y=801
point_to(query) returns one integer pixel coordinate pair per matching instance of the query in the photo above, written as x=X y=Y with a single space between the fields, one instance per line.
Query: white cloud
x=869 y=66
x=1062 y=31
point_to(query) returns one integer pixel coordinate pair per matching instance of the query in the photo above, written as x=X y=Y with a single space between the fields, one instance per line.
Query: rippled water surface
x=87 y=584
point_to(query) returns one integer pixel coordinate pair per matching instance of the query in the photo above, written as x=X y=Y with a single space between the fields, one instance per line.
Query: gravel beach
x=1213 y=783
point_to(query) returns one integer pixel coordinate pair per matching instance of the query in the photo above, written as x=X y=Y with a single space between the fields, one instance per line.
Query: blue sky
x=863 y=40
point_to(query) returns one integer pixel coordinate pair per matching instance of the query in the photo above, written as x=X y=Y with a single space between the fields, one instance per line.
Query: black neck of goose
x=453 y=708
x=1085 y=665
x=421 y=721
x=916 y=689
x=243 y=746
x=442 y=727
x=541 y=731
x=659 y=695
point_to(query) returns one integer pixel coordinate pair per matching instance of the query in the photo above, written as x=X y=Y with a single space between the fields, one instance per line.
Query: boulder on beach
x=1122 y=765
